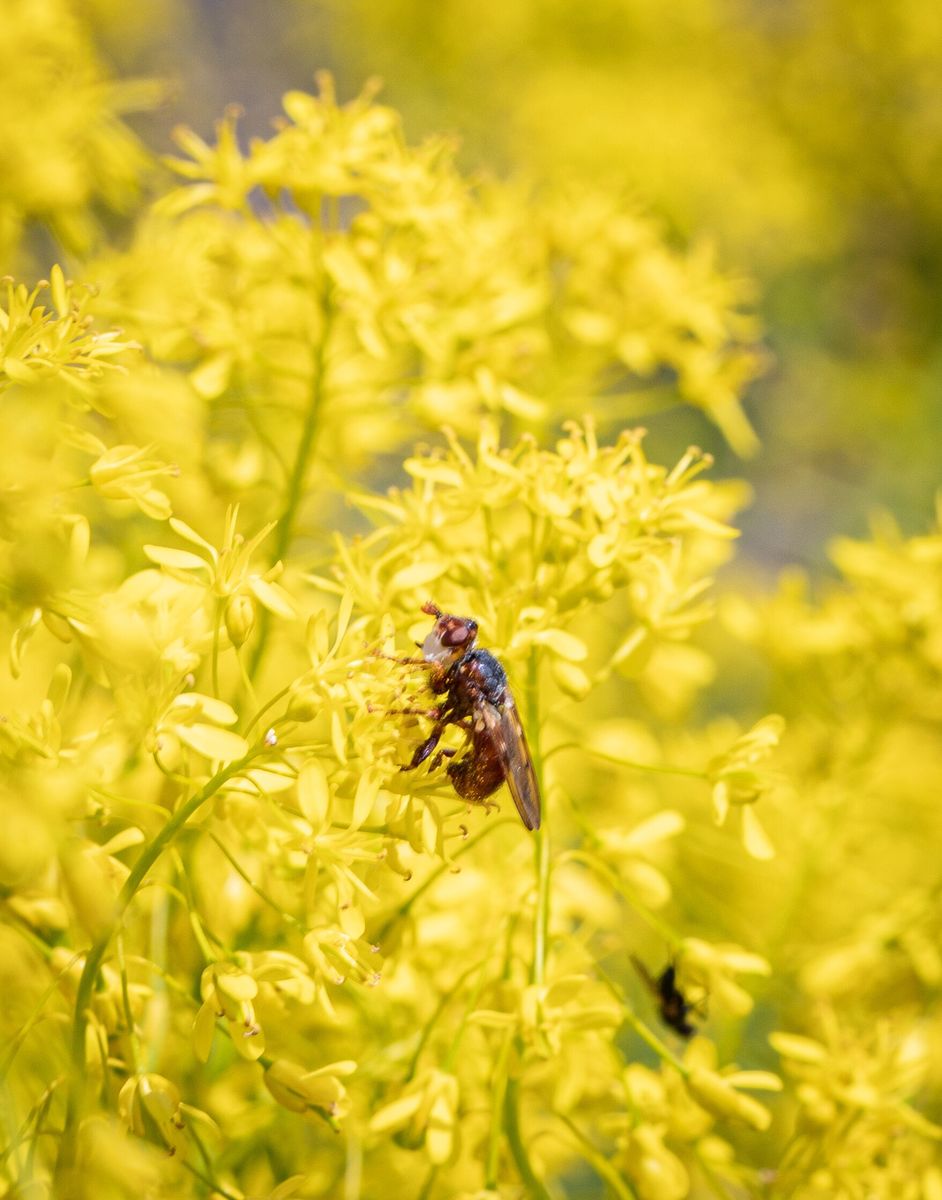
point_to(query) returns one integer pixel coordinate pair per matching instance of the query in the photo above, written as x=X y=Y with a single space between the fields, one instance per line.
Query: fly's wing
x=649 y=981
x=505 y=728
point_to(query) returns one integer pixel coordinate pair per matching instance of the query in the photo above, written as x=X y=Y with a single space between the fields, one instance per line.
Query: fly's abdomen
x=480 y=773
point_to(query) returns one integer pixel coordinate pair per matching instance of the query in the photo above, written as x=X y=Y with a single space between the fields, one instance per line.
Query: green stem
x=617 y=885
x=542 y=848
x=187 y=900
x=287 y=917
x=35 y=1018
x=266 y=706
x=497 y=1112
x=285 y=529
x=449 y=1061
x=429 y=1027
x=210 y=1183
x=96 y=954
x=534 y=1186
x=660 y=1048
x=655 y=1042
x=217 y=617
x=404 y=908
x=597 y=1160
x=429 y=1184
x=133 y=1048
x=654 y=768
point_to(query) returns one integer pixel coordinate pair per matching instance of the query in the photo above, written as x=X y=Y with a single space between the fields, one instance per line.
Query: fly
x=672 y=1004
x=476 y=698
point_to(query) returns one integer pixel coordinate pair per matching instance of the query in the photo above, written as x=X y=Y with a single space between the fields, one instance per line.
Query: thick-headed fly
x=672 y=1004
x=477 y=700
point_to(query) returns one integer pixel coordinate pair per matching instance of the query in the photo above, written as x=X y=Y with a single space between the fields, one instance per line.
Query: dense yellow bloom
x=245 y=950
x=64 y=146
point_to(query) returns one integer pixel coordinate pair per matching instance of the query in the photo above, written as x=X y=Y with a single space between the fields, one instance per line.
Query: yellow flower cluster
x=65 y=149
x=233 y=922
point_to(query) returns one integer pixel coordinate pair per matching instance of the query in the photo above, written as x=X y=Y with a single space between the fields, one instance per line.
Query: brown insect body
x=478 y=700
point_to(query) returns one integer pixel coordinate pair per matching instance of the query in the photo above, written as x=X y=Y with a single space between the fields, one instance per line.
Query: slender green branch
x=533 y=1184
x=655 y=768
x=542 y=848
x=126 y=1003
x=93 y=961
x=33 y=1118
x=187 y=901
x=449 y=1061
x=433 y=1020
x=210 y=1183
x=604 y=1168
x=499 y=1090
x=306 y=442
x=660 y=1048
x=266 y=706
x=35 y=1017
x=287 y=917
x=217 y=618
x=404 y=908
x=618 y=885
x=429 y=1184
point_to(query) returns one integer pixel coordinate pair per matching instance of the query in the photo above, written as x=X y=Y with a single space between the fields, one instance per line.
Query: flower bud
x=304 y=704
x=715 y=1094
x=240 y=619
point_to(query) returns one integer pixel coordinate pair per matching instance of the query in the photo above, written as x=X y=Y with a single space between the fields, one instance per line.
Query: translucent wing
x=649 y=981
x=505 y=728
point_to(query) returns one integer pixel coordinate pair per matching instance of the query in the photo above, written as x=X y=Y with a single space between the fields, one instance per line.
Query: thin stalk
x=616 y=884
x=126 y=1003
x=654 y=768
x=287 y=917
x=597 y=1160
x=210 y=1183
x=532 y=1183
x=187 y=900
x=436 y=1016
x=96 y=954
x=429 y=1184
x=217 y=618
x=285 y=529
x=35 y=1017
x=449 y=1060
x=659 y=1047
x=497 y=1112
x=405 y=907
x=542 y=848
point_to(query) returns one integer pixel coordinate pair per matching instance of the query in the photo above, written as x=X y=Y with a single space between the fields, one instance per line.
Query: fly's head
x=450 y=639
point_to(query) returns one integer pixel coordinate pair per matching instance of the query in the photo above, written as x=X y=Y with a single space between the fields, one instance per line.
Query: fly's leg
x=424 y=749
x=445 y=752
x=432 y=714
x=407 y=662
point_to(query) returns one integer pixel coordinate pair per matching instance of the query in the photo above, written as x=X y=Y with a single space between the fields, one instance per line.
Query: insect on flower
x=477 y=699
x=673 y=1005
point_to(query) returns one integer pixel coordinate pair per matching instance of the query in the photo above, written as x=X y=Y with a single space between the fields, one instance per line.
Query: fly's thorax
x=485 y=673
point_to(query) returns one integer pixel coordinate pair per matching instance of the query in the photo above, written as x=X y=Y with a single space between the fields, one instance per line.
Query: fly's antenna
x=432 y=609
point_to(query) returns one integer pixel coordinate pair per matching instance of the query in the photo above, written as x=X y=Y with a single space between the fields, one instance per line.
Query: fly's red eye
x=458 y=633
